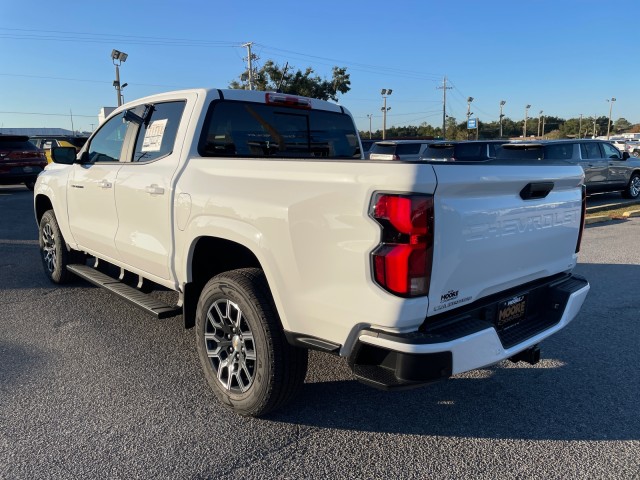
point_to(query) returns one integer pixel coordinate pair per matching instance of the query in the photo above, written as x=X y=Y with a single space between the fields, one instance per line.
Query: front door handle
x=105 y=184
x=154 y=190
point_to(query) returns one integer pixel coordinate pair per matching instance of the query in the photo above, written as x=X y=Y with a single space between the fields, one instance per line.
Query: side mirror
x=63 y=155
x=625 y=155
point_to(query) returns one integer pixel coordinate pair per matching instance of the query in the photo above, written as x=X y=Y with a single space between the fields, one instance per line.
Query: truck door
x=618 y=168
x=144 y=195
x=595 y=166
x=91 y=204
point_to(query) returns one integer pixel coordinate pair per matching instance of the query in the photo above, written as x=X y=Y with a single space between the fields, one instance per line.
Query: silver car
x=606 y=169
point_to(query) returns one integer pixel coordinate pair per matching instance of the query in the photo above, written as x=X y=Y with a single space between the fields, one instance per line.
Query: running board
x=141 y=300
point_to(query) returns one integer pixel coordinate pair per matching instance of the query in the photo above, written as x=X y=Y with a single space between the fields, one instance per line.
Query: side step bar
x=141 y=300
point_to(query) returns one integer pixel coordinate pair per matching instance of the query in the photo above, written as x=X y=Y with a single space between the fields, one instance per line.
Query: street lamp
x=469 y=113
x=613 y=99
x=502 y=102
x=526 y=114
x=385 y=92
x=118 y=57
x=370 y=116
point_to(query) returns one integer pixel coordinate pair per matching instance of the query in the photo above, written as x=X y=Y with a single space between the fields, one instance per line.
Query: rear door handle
x=105 y=184
x=154 y=190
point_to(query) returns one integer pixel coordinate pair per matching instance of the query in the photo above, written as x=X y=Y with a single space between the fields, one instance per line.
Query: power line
x=49 y=114
x=83 y=80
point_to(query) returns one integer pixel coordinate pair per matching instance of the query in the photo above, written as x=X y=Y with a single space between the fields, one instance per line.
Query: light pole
x=469 y=113
x=613 y=99
x=385 y=92
x=370 y=116
x=502 y=102
x=580 y=127
x=118 y=57
x=539 y=122
x=526 y=114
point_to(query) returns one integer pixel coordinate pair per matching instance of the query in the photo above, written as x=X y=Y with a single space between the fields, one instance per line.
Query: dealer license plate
x=511 y=311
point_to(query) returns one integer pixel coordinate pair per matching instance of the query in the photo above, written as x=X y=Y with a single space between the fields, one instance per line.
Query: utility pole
x=73 y=130
x=385 y=92
x=580 y=128
x=502 y=102
x=594 y=126
x=613 y=99
x=526 y=114
x=369 y=116
x=444 y=106
x=469 y=113
x=250 y=65
x=542 y=127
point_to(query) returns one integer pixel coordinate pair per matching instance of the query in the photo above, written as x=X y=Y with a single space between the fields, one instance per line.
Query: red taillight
x=582 y=217
x=287 y=100
x=402 y=262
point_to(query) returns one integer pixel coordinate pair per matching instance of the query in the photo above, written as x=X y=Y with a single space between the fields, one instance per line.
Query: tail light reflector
x=582 y=217
x=402 y=262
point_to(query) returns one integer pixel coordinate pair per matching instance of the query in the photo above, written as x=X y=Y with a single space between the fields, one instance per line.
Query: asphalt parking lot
x=92 y=388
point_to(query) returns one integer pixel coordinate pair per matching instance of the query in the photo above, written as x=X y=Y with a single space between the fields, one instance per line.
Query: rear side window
x=470 y=151
x=590 y=150
x=610 y=151
x=562 y=151
x=528 y=152
x=243 y=129
x=157 y=135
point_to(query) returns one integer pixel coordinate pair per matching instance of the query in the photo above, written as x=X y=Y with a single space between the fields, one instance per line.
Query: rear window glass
x=242 y=129
x=471 y=151
x=384 y=149
x=408 y=148
x=14 y=143
x=439 y=151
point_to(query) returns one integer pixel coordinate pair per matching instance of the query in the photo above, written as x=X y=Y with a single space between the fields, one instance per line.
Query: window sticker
x=153 y=136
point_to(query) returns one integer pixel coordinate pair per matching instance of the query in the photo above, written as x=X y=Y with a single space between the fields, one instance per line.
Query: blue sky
x=564 y=57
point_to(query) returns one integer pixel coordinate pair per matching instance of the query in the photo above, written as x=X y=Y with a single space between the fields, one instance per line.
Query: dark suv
x=606 y=169
x=20 y=161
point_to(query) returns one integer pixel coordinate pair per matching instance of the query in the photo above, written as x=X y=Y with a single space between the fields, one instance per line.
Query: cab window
x=157 y=134
x=610 y=151
x=106 y=145
x=590 y=150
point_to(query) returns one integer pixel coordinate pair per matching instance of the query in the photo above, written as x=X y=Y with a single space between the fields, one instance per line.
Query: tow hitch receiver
x=531 y=355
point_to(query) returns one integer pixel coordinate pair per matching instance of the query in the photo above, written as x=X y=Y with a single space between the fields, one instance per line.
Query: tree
x=622 y=125
x=272 y=77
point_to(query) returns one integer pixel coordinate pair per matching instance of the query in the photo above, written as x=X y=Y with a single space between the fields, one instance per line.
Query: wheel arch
x=41 y=204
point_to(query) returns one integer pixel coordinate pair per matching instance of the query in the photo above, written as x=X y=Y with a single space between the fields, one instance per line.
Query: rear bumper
x=466 y=340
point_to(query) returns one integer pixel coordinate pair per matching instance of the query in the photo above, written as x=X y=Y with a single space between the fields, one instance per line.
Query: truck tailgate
x=488 y=238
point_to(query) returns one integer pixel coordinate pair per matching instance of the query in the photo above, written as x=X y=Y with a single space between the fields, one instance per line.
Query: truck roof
x=257 y=96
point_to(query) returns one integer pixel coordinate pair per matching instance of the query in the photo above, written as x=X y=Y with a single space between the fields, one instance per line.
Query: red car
x=20 y=160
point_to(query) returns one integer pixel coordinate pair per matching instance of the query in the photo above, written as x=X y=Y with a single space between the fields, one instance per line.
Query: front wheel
x=633 y=187
x=53 y=250
x=245 y=356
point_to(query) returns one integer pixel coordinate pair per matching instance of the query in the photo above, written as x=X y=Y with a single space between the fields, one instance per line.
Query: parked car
x=366 y=146
x=606 y=169
x=20 y=161
x=473 y=150
x=47 y=142
x=619 y=143
x=398 y=149
x=633 y=147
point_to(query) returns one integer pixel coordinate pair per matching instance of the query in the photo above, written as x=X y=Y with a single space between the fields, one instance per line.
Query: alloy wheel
x=49 y=248
x=230 y=346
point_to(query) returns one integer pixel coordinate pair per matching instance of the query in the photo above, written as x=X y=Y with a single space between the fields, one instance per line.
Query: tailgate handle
x=536 y=190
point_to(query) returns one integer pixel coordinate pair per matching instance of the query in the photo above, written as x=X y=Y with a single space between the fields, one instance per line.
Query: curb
x=631 y=213
x=597 y=219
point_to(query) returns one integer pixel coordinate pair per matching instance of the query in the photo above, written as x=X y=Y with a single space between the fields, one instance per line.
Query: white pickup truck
x=259 y=210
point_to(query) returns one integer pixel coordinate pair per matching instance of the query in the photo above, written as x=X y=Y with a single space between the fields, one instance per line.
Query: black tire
x=245 y=356
x=54 y=251
x=633 y=187
x=30 y=185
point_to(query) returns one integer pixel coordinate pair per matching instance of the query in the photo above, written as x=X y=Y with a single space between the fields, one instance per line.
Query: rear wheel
x=245 y=356
x=633 y=188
